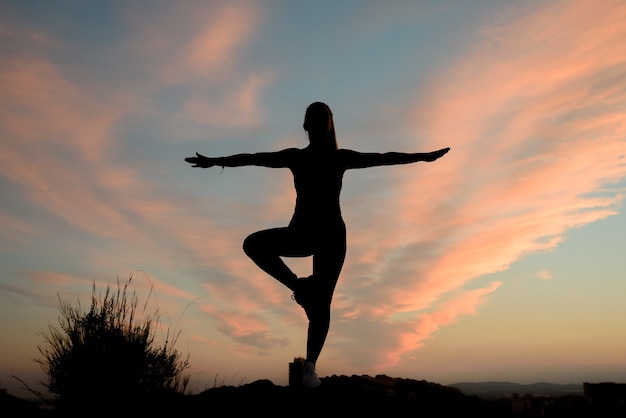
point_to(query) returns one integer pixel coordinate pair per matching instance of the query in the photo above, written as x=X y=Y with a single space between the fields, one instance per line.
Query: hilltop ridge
x=359 y=396
x=354 y=395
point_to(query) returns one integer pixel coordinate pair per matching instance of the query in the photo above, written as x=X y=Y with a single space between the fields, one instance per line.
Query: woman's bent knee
x=251 y=244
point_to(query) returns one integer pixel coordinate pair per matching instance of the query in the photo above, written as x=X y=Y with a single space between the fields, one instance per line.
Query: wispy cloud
x=446 y=313
x=246 y=329
x=199 y=58
x=60 y=139
x=534 y=114
x=55 y=140
x=62 y=148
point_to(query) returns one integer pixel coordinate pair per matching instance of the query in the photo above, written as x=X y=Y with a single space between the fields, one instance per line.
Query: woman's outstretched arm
x=356 y=159
x=265 y=159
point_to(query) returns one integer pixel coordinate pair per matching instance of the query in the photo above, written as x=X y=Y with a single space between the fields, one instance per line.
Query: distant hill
x=491 y=390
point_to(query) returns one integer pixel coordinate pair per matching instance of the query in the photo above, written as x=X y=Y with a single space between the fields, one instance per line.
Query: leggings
x=328 y=248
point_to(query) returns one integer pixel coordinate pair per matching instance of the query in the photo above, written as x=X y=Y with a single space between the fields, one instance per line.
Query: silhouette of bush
x=106 y=356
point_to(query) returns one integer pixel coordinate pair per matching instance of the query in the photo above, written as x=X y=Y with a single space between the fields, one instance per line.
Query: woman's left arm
x=356 y=159
x=276 y=159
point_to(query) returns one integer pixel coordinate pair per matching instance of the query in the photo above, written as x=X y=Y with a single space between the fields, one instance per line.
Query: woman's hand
x=200 y=161
x=435 y=155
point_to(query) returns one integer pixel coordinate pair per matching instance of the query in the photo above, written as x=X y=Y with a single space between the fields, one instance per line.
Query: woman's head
x=318 y=122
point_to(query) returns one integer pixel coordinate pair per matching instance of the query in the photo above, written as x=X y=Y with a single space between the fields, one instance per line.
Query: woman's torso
x=318 y=178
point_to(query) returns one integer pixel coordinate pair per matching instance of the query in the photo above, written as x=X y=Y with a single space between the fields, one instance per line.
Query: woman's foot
x=303 y=295
x=309 y=376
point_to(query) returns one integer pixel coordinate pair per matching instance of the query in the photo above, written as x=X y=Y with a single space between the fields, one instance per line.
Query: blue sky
x=502 y=261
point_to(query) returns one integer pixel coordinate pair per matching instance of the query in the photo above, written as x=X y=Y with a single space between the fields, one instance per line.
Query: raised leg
x=266 y=247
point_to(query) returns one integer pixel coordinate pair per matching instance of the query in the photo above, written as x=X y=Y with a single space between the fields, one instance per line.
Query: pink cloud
x=49 y=278
x=244 y=328
x=56 y=139
x=62 y=152
x=444 y=314
x=534 y=116
x=202 y=41
x=226 y=30
x=202 y=52
x=62 y=149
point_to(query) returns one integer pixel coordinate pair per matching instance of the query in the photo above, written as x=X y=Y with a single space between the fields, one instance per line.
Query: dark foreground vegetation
x=104 y=361
x=350 y=396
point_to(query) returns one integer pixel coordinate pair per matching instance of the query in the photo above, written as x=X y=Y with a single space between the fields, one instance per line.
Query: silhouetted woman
x=316 y=228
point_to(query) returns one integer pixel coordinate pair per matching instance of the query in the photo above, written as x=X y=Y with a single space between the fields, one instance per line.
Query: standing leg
x=317 y=297
x=327 y=264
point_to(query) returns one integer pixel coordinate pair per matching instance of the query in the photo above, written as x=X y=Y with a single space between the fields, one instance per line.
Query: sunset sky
x=504 y=260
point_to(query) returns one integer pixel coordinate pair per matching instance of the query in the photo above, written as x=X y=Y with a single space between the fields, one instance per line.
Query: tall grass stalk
x=107 y=353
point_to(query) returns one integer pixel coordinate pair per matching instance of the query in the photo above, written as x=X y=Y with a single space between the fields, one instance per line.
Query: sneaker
x=304 y=295
x=309 y=377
